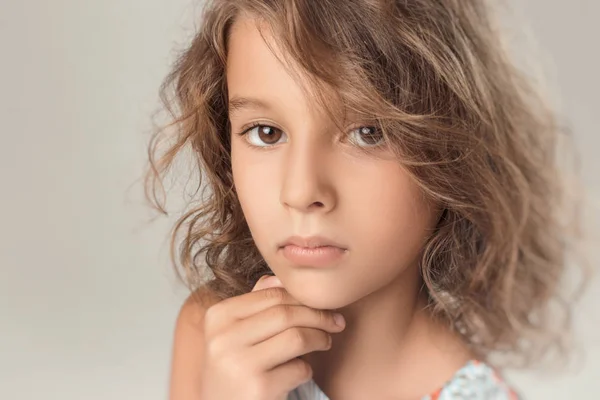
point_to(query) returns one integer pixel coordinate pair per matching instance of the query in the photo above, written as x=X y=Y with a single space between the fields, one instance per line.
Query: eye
x=264 y=135
x=366 y=136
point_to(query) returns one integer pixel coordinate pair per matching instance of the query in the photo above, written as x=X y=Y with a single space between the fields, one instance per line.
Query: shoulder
x=188 y=344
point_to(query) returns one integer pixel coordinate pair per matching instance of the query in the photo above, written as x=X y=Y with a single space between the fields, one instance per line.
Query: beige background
x=87 y=297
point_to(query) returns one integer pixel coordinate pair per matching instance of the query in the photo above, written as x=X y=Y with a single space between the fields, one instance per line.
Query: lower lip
x=313 y=257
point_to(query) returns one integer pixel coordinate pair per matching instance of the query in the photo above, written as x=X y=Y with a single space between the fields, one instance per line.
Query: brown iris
x=268 y=134
x=370 y=135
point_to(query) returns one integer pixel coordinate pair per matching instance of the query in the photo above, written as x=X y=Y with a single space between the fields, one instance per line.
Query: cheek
x=391 y=217
x=255 y=179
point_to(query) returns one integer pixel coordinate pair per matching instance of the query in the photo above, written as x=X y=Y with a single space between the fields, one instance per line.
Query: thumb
x=267 y=281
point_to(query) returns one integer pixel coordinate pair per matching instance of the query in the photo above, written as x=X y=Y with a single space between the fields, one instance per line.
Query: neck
x=392 y=347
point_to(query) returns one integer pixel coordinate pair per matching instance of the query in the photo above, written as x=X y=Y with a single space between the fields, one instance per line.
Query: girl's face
x=296 y=176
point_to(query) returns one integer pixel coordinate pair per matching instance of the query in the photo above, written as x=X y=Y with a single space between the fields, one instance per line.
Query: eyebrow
x=237 y=104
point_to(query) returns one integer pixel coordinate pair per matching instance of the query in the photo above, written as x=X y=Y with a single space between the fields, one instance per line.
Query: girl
x=393 y=170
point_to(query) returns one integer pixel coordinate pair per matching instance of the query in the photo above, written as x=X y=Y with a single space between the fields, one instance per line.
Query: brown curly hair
x=469 y=126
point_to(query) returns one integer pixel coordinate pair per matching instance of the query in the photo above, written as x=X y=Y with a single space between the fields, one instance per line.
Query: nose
x=307 y=182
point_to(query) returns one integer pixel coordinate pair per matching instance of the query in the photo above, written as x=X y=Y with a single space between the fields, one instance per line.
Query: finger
x=276 y=319
x=289 y=344
x=223 y=314
x=290 y=375
x=267 y=281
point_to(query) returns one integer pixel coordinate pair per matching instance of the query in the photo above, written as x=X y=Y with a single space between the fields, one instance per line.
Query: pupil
x=268 y=135
x=370 y=135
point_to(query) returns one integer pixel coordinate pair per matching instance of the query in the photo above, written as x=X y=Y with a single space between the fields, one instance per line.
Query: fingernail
x=339 y=320
x=273 y=281
x=266 y=281
x=260 y=282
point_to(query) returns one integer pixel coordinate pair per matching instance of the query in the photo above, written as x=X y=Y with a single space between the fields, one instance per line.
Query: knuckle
x=323 y=317
x=285 y=314
x=275 y=294
x=328 y=340
x=299 y=338
x=303 y=369
x=215 y=347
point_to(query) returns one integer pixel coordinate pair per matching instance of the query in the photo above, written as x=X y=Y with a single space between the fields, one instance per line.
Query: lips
x=313 y=251
x=311 y=242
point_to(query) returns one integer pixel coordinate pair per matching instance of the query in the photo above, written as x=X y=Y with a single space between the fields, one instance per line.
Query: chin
x=322 y=303
x=321 y=297
x=319 y=288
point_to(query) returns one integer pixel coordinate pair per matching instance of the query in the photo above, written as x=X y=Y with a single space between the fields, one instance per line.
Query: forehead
x=258 y=68
x=252 y=66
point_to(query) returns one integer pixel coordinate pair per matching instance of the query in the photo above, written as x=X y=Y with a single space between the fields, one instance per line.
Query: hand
x=252 y=343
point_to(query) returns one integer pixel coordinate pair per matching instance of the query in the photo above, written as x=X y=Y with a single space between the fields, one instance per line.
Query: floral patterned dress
x=475 y=381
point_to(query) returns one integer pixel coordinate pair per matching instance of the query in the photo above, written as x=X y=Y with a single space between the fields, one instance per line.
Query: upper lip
x=310 y=242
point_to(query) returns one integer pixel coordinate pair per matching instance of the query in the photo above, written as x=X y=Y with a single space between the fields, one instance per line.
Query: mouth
x=311 y=242
x=313 y=251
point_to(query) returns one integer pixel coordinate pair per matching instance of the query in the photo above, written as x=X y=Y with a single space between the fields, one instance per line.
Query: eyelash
x=246 y=130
